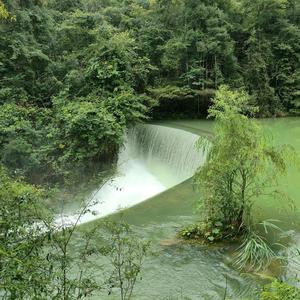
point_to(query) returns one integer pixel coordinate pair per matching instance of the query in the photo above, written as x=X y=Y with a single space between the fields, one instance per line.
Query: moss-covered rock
x=280 y=291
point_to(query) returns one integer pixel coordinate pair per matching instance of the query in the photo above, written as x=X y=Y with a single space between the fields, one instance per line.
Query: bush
x=208 y=232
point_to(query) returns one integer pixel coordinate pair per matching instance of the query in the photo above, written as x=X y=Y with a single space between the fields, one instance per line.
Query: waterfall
x=153 y=159
x=171 y=147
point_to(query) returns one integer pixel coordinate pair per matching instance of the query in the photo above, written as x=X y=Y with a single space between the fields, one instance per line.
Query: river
x=154 y=170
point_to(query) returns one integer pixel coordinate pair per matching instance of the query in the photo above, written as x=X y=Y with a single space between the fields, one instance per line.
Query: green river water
x=200 y=272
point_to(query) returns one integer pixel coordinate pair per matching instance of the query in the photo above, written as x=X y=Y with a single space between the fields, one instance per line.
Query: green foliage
x=172 y=93
x=126 y=254
x=174 y=101
x=71 y=84
x=129 y=108
x=210 y=232
x=74 y=74
x=82 y=133
x=22 y=133
x=239 y=166
x=254 y=253
x=63 y=139
x=280 y=291
x=23 y=272
x=42 y=258
x=4 y=14
x=272 y=65
x=71 y=263
x=110 y=56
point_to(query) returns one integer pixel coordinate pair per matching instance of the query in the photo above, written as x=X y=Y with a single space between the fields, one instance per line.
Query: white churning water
x=154 y=159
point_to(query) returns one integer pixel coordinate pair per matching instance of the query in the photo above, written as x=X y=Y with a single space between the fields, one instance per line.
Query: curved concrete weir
x=153 y=159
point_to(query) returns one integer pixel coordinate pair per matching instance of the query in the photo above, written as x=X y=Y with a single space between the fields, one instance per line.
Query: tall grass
x=255 y=252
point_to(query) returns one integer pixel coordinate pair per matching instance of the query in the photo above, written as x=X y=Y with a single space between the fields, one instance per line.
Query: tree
x=240 y=167
x=4 y=14
x=272 y=47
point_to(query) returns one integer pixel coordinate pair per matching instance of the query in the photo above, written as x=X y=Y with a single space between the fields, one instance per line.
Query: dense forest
x=76 y=74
